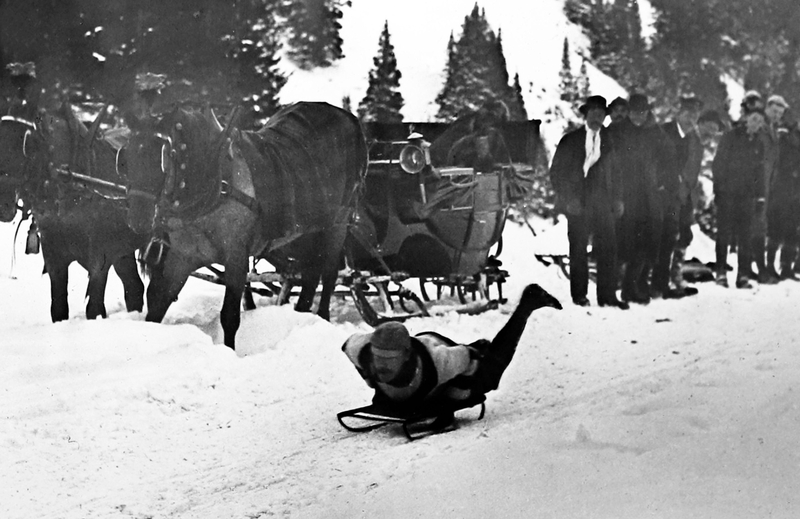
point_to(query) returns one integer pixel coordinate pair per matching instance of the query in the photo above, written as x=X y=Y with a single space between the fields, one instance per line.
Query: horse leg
x=308 y=288
x=128 y=273
x=328 y=285
x=57 y=268
x=96 y=291
x=230 y=315
x=331 y=259
x=58 y=271
x=166 y=281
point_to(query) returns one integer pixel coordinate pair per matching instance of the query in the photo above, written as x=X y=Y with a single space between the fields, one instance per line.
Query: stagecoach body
x=441 y=224
x=413 y=229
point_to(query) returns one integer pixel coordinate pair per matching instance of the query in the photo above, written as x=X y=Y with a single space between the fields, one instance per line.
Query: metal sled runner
x=416 y=423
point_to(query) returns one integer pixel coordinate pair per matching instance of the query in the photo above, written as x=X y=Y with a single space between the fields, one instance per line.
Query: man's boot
x=766 y=271
x=787 y=258
x=721 y=277
x=630 y=285
x=676 y=274
x=758 y=256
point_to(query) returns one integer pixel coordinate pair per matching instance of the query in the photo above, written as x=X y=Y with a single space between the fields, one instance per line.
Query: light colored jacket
x=443 y=368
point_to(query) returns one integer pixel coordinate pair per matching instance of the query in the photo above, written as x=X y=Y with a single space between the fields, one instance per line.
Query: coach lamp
x=414 y=157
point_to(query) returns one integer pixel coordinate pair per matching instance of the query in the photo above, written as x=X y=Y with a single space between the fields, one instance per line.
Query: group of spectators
x=631 y=189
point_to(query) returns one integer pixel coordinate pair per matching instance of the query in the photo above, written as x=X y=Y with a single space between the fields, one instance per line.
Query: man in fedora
x=679 y=205
x=428 y=369
x=590 y=195
x=640 y=152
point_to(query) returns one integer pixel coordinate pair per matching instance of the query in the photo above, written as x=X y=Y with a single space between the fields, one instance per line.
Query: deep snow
x=678 y=409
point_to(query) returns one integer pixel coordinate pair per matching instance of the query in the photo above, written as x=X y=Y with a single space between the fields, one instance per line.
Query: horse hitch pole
x=71 y=176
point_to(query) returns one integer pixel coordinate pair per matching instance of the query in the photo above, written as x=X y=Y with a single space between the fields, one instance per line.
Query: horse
x=75 y=224
x=211 y=196
x=14 y=134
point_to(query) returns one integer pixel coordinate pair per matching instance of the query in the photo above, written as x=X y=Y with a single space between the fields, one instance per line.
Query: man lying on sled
x=430 y=371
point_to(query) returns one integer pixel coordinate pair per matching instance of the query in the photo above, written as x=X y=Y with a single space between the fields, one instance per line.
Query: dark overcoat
x=570 y=183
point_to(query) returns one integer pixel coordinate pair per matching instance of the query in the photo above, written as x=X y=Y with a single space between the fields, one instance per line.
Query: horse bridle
x=31 y=127
x=166 y=152
x=157 y=246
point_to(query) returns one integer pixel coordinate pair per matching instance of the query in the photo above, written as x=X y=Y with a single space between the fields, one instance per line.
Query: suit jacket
x=566 y=172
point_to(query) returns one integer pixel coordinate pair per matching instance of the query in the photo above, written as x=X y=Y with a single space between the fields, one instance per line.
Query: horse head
x=145 y=161
x=16 y=146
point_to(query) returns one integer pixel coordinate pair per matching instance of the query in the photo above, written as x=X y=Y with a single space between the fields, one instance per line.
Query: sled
x=416 y=423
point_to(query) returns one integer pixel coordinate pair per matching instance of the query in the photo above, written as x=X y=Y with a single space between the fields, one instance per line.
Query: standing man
x=590 y=196
x=639 y=150
x=776 y=106
x=618 y=110
x=738 y=171
x=783 y=215
x=682 y=133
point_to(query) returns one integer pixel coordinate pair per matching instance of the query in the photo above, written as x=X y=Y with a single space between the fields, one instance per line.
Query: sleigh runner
x=416 y=423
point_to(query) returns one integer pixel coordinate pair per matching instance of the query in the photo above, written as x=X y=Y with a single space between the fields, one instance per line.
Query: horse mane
x=196 y=143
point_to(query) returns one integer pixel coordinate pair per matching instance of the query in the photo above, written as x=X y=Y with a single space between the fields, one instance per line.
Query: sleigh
x=416 y=423
x=423 y=218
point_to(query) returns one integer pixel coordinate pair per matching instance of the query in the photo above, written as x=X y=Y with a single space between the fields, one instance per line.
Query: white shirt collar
x=681 y=132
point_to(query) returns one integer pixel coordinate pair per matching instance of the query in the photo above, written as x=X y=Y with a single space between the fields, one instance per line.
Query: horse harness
x=16 y=181
x=80 y=180
x=172 y=202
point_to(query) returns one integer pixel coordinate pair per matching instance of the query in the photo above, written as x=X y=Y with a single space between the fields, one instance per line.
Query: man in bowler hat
x=590 y=195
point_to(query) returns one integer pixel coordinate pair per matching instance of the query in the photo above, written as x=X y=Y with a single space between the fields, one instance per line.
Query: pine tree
x=446 y=98
x=260 y=51
x=517 y=104
x=583 y=85
x=383 y=101
x=567 y=84
x=314 y=25
x=476 y=70
x=502 y=90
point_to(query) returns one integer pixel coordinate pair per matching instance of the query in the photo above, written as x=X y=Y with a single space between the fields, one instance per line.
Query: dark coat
x=688 y=160
x=784 y=196
x=738 y=166
x=599 y=186
x=590 y=202
x=637 y=156
x=772 y=145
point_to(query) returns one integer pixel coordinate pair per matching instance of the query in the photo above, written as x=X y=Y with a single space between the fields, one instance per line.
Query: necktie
x=592 y=151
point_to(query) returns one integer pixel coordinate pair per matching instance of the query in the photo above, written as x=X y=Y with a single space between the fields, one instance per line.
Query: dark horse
x=14 y=135
x=285 y=193
x=75 y=224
